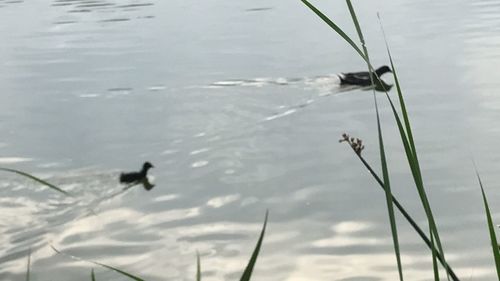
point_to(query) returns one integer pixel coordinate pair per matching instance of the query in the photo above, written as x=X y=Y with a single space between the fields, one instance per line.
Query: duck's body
x=134 y=177
x=363 y=78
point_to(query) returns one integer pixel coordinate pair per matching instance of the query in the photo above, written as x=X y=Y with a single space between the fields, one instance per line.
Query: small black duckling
x=134 y=177
x=363 y=78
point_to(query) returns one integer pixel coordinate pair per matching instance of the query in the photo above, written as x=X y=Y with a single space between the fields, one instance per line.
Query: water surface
x=238 y=106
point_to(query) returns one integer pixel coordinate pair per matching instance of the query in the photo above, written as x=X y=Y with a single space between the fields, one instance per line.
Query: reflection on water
x=89 y=86
x=85 y=6
x=4 y=3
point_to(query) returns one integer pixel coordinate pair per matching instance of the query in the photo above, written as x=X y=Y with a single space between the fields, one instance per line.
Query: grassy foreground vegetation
x=405 y=131
x=432 y=239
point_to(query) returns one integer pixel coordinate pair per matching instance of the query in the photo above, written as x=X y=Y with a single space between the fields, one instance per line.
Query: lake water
x=237 y=105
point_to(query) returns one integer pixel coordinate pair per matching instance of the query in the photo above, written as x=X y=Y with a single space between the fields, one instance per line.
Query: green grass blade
x=365 y=56
x=198 y=267
x=356 y=24
x=92 y=275
x=402 y=104
x=251 y=263
x=124 y=273
x=415 y=169
x=491 y=227
x=411 y=154
x=35 y=179
x=388 y=195
x=131 y=276
x=335 y=27
x=410 y=220
x=28 y=266
x=385 y=170
x=434 y=261
x=407 y=138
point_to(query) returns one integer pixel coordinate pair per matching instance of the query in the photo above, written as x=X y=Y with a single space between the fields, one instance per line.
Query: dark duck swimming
x=363 y=78
x=135 y=177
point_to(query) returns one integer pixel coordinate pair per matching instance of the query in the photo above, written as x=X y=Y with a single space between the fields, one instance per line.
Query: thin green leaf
x=415 y=169
x=434 y=261
x=356 y=24
x=365 y=55
x=131 y=276
x=28 y=266
x=491 y=227
x=411 y=154
x=35 y=179
x=251 y=263
x=388 y=196
x=410 y=220
x=198 y=267
x=334 y=27
x=408 y=141
x=385 y=170
x=92 y=275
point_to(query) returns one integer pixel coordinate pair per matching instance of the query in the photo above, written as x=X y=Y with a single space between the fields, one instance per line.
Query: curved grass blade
x=358 y=27
x=411 y=154
x=407 y=142
x=335 y=27
x=415 y=169
x=28 y=266
x=198 y=267
x=388 y=195
x=401 y=99
x=434 y=261
x=92 y=275
x=131 y=276
x=251 y=263
x=35 y=179
x=385 y=170
x=491 y=227
x=410 y=220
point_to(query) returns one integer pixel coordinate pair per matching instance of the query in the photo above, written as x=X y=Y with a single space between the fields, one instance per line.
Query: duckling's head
x=383 y=69
x=146 y=166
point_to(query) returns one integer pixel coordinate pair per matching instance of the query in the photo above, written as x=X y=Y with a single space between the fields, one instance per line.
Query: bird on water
x=364 y=78
x=135 y=177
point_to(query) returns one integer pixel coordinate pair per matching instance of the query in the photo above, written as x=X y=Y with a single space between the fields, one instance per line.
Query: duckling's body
x=134 y=177
x=363 y=78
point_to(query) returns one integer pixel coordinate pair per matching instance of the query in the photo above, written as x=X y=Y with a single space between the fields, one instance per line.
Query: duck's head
x=383 y=69
x=147 y=166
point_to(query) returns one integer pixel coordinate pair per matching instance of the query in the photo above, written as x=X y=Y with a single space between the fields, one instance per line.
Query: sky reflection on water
x=238 y=106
